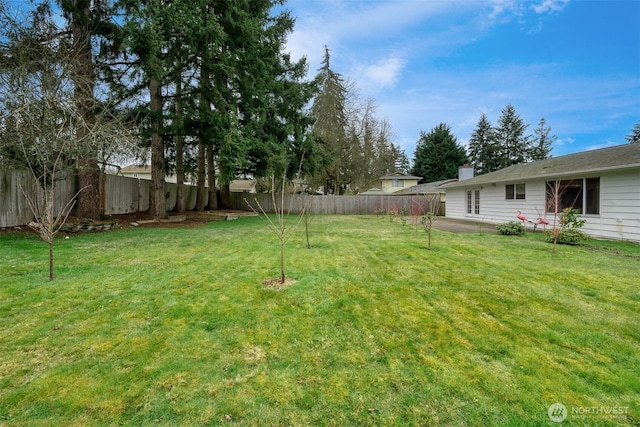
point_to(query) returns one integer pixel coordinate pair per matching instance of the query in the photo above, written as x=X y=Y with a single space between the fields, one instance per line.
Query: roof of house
x=242 y=185
x=399 y=176
x=427 y=188
x=136 y=169
x=618 y=157
x=373 y=191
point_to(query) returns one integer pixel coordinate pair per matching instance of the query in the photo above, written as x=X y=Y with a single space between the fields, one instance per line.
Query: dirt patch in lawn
x=276 y=283
x=140 y=220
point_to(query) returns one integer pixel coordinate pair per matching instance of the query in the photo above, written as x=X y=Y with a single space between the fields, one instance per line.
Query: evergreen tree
x=438 y=155
x=542 y=142
x=147 y=29
x=482 y=147
x=513 y=146
x=402 y=164
x=330 y=127
x=634 y=137
x=273 y=97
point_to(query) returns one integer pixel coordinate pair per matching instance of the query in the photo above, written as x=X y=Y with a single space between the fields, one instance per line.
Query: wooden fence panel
x=14 y=205
x=121 y=195
x=340 y=205
x=14 y=209
x=191 y=197
x=144 y=192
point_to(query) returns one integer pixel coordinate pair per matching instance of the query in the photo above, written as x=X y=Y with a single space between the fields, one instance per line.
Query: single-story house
x=604 y=185
x=136 y=171
x=396 y=182
x=243 y=186
x=435 y=188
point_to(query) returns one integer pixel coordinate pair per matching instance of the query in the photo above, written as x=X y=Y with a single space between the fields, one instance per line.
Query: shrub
x=569 y=232
x=511 y=228
x=567 y=236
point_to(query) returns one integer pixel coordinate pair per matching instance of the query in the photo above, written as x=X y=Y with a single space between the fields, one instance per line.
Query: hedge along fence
x=340 y=205
x=121 y=195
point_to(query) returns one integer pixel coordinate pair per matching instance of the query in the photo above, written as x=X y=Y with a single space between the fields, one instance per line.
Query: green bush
x=569 y=232
x=511 y=228
x=568 y=236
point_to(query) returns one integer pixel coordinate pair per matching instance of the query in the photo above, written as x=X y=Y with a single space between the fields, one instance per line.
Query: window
x=469 y=202
x=514 y=191
x=397 y=182
x=581 y=194
x=477 y=203
x=592 y=196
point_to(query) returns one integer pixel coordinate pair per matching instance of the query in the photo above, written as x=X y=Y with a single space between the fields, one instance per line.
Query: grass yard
x=173 y=327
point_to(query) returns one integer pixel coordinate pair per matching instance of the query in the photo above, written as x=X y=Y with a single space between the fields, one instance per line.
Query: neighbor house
x=243 y=186
x=144 y=172
x=396 y=182
x=136 y=171
x=603 y=185
x=430 y=190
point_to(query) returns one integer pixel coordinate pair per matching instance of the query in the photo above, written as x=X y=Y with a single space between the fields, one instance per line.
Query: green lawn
x=173 y=327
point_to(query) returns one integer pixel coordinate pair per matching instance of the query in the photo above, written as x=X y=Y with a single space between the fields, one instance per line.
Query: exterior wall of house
x=619 y=216
x=619 y=207
x=387 y=185
x=494 y=208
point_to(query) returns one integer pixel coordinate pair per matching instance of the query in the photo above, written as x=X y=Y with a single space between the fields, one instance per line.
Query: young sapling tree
x=432 y=207
x=281 y=226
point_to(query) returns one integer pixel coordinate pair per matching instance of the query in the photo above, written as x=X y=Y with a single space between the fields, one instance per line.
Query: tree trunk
x=282 y=275
x=180 y=197
x=84 y=81
x=202 y=191
x=89 y=181
x=51 y=260
x=211 y=179
x=157 y=205
x=225 y=193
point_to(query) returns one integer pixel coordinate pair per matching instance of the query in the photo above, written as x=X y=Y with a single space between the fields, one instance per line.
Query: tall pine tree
x=542 y=142
x=482 y=147
x=438 y=155
x=330 y=127
x=513 y=146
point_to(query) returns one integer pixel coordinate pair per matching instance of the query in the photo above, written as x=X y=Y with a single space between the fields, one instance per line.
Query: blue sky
x=574 y=62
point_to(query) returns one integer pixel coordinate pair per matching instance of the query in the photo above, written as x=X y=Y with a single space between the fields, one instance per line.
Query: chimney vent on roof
x=465 y=172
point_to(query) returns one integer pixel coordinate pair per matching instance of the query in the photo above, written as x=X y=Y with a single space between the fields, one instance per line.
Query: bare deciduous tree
x=429 y=217
x=41 y=127
x=282 y=226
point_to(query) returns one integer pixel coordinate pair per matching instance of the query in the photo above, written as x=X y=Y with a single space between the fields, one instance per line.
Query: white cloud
x=564 y=141
x=382 y=74
x=310 y=43
x=499 y=8
x=550 y=6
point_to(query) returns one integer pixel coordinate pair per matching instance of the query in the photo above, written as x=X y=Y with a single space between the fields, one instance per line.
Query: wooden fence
x=14 y=206
x=127 y=195
x=340 y=205
x=121 y=195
